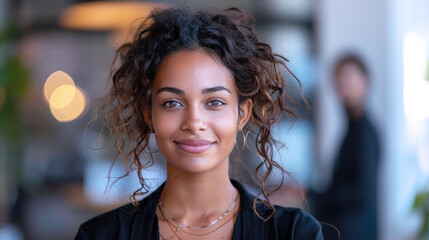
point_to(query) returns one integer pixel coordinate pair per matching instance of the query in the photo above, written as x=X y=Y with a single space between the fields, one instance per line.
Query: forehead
x=193 y=70
x=349 y=66
x=347 y=70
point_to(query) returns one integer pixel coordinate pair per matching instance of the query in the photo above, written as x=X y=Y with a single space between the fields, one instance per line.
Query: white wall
x=371 y=28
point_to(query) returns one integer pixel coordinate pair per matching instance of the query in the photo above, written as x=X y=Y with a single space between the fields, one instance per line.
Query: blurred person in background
x=350 y=201
x=194 y=81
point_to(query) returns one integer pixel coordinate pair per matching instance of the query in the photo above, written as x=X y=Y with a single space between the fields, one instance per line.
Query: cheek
x=164 y=126
x=360 y=88
x=226 y=130
x=343 y=92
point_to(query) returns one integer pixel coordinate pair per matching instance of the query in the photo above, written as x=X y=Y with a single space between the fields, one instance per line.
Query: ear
x=245 y=109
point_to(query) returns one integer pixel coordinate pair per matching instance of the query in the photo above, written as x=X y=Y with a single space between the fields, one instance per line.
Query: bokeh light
x=74 y=107
x=54 y=81
x=416 y=88
x=62 y=96
x=66 y=101
x=106 y=15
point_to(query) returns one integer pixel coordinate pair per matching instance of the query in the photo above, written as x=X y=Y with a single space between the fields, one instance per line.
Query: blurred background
x=54 y=64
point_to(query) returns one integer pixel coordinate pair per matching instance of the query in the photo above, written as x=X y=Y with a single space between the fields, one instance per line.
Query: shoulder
x=287 y=222
x=108 y=224
x=297 y=223
x=118 y=223
x=369 y=126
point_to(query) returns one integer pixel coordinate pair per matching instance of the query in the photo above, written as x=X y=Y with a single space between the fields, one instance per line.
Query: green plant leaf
x=9 y=33
x=424 y=230
x=420 y=199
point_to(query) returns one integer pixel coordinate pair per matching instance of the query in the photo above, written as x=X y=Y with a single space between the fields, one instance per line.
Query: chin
x=194 y=165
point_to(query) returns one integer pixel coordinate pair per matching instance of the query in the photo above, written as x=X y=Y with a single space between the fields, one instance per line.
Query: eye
x=215 y=103
x=171 y=104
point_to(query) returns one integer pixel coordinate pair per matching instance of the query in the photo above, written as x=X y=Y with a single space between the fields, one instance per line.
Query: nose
x=194 y=120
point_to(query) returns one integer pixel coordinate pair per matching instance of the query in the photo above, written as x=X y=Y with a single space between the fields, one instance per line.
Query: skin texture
x=194 y=98
x=351 y=85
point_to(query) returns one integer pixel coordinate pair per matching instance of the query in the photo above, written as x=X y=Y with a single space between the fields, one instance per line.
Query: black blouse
x=141 y=223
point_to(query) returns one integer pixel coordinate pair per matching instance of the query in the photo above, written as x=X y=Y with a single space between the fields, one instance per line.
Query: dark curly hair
x=258 y=74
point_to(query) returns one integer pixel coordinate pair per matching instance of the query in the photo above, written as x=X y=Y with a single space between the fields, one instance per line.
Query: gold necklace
x=177 y=229
x=171 y=226
x=174 y=232
x=208 y=225
x=163 y=238
x=212 y=231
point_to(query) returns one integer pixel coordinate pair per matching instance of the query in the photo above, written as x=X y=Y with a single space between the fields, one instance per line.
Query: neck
x=355 y=112
x=193 y=198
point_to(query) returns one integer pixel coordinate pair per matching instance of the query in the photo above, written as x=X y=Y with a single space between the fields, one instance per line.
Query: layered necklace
x=179 y=225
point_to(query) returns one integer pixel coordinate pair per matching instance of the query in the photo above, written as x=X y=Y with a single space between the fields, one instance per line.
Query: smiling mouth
x=194 y=145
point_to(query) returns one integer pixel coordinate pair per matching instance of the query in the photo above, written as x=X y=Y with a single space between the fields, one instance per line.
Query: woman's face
x=195 y=110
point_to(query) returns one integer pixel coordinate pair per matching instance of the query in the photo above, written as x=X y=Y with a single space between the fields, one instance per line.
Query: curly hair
x=258 y=74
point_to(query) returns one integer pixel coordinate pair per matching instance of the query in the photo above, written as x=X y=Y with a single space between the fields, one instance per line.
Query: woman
x=194 y=80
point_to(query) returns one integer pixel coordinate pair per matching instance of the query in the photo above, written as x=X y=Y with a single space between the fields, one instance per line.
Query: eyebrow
x=204 y=91
x=171 y=89
x=215 y=89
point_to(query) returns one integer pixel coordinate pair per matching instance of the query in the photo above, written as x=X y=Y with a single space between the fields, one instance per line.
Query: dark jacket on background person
x=131 y=223
x=350 y=203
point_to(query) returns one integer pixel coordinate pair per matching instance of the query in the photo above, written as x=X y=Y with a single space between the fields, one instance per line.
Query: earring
x=244 y=141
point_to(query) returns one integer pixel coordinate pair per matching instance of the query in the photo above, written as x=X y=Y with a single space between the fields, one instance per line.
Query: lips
x=194 y=145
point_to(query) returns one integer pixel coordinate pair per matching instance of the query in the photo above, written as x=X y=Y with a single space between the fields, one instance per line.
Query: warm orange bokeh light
x=66 y=101
x=73 y=107
x=56 y=79
x=106 y=15
x=62 y=96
